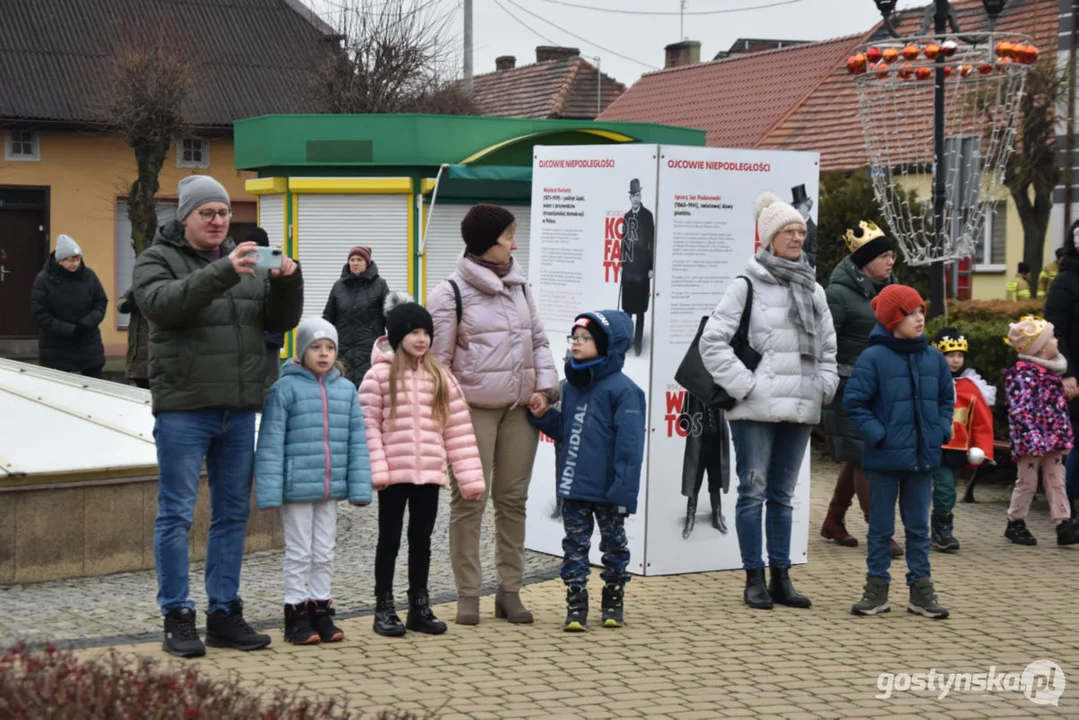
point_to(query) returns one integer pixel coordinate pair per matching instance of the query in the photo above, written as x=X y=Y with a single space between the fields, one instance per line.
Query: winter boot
x=874 y=598
x=468 y=610
x=298 y=630
x=420 y=616
x=691 y=517
x=1017 y=532
x=508 y=606
x=783 y=592
x=896 y=550
x=923 y=600
x=613 y=595
x=756 y=593
x=717 y=512
x=322 y=613
x=1068 y=532
x=941 y=533
x=576 y=609
x=228 y=629
x=835 y=529
x=181 y=637
x=387 y=624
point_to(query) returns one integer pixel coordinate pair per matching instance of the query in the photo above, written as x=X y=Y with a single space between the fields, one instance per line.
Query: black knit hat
x=483 y=225
x=258 y=235
x=599 y=335
x=406 y=317
x=872 y=250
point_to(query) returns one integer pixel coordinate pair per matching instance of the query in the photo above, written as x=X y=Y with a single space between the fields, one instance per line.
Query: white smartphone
x=269 y=258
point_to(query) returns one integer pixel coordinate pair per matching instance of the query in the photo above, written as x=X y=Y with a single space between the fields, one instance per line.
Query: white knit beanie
x=66 y=247
x=772 y=216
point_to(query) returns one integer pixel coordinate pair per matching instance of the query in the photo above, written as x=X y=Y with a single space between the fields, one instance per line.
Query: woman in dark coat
x=855 y=281
x=1062 y=309
x=69 y=304
x=355 y=309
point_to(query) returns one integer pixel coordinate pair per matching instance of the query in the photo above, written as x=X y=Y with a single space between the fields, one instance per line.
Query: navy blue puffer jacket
x=901 y=397
x=601 y=424
x=312 y=445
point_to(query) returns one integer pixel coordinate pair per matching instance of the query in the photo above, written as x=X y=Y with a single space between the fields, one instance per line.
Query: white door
x=125 y=254
x=328 y=226
x=444 y=245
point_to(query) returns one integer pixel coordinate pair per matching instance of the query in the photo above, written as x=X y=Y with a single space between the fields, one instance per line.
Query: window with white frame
x=193 y=152
x=21 y=145
x=991 y=251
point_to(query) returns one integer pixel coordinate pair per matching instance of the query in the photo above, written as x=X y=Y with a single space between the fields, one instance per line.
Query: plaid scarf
x=798 y=275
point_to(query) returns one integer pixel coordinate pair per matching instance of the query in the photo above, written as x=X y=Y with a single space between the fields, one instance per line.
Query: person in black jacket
x=69 y=304
x=274 y=340
x=638 y=250
x=1062 y=310
x=355 y=309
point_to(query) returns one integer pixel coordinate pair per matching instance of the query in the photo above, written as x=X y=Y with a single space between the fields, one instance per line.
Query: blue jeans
x=913 y=491
x=226 y=439
x=769 y=456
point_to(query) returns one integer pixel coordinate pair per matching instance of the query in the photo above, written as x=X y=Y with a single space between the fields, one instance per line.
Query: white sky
x=640 y=38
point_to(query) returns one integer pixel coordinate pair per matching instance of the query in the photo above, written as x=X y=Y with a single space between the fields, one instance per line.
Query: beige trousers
x=507 y=445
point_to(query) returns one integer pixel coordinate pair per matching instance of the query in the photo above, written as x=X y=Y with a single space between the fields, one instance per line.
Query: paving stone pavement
x=691 y=649
x=123 y=607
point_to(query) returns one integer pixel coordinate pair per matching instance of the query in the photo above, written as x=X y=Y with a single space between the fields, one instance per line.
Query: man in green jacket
x=207 y=307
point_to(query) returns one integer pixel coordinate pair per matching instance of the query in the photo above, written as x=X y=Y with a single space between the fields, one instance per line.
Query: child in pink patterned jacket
x=417 y=423
x=1039 y=426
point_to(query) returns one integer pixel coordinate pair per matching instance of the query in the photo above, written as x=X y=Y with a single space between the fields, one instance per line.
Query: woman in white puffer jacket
x=778 y=403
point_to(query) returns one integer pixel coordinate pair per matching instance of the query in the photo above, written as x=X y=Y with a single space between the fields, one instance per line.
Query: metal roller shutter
x=444 y=244
x=329 y=225
x=272 y=218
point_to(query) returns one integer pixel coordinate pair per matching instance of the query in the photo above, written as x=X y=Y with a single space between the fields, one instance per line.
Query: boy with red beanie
x=901 y=398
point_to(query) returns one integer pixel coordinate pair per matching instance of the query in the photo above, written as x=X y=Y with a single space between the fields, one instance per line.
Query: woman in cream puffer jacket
x=497 y=348
x=779 y=402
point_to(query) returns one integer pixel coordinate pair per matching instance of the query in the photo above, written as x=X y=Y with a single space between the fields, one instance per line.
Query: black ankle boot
x=717 y=512
x=576 y=609
x=783 y=592
x=756 y=594
x=613 y=599
x=228 y=629
x=691 y=517
x=420 y=617
x=322 y=613
x=298 y=630
x=386 y=622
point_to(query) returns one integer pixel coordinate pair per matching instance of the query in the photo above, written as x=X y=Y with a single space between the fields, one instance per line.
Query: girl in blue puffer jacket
x=312 y=452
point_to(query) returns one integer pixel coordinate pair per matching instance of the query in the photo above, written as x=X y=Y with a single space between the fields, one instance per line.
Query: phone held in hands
x=269 y=258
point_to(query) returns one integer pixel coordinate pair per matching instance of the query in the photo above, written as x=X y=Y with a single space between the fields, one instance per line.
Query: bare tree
x=395 y=57
x=148 y=86
x=1032 y=172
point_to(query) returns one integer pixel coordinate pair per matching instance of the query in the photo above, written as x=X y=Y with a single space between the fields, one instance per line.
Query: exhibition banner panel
x=592 y=247
x=707 y=231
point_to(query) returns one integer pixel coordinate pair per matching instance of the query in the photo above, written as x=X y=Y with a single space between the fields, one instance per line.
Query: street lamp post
x=943 y=15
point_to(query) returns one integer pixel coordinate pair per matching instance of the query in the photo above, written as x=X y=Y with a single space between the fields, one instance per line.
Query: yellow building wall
x=88 y=174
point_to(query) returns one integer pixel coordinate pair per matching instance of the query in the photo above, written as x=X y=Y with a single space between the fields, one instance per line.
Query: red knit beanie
x=364 y=252
x=894 y=303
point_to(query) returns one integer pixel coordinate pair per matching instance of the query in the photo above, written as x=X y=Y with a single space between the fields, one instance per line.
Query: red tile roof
x=554 y=89
x=827 y=120
x=735 y=100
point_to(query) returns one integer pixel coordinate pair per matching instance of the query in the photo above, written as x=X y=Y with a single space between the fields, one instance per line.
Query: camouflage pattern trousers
x=577 y=518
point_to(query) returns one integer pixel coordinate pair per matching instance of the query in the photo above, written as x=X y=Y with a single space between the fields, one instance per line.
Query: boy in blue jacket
x=601 y=427
x=900 y=397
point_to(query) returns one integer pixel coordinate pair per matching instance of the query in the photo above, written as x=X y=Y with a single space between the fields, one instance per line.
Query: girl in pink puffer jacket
x=417 y=422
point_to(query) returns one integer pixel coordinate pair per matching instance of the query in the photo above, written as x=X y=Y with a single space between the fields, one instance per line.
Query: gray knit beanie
x=310 y=330
x=197 y=190
x=66 y=247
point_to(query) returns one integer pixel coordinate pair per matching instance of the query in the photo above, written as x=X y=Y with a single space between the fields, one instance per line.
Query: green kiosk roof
x=481 y=157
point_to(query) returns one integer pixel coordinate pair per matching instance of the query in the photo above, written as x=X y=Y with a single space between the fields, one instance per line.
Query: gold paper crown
x=859 y=236
x=950 y=345
x=1021 y=338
